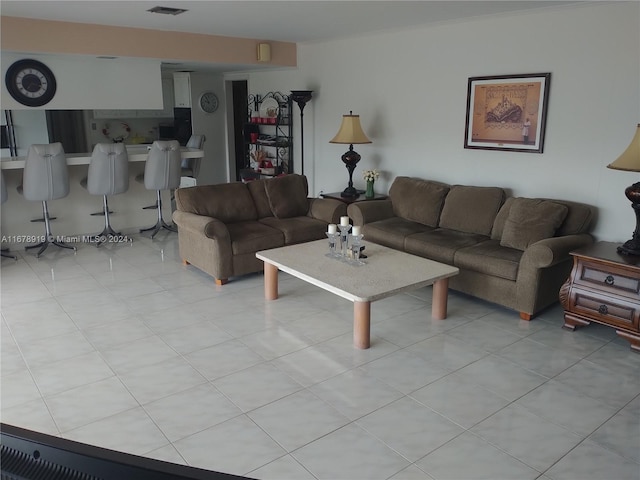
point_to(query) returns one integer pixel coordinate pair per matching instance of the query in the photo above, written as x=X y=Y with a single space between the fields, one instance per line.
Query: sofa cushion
x=531 y=220
x=501 y=218
x=418 y=200
x=471 y=209
x=298 y=229
x=288 y=195
x=392 y=232
x=250 y=237
x=578 y=219
x=213 y=201
x=489 y=258
x=440 y=244
x=260 y=199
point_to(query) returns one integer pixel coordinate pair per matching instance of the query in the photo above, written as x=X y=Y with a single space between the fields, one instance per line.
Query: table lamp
x=630 y=161
x=350 y=133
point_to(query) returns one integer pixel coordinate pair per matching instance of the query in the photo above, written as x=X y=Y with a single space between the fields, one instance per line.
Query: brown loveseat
x=510 y=251
x=221 y=227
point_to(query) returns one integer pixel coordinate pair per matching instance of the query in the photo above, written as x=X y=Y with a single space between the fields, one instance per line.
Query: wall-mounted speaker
x=264 y=52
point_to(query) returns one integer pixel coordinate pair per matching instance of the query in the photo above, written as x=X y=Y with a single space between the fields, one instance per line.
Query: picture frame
x=507 y=112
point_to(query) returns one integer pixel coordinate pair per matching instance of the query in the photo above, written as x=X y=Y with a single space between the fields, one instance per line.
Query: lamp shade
x=630 y=158
x=350 y=131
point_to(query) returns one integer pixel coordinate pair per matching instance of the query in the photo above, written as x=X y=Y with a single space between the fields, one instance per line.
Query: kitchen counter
x=137 y=153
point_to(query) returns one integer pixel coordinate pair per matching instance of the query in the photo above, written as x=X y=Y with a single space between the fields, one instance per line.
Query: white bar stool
x=162 y=172
x=108 y=175
x=46 y=178
x=190 y=167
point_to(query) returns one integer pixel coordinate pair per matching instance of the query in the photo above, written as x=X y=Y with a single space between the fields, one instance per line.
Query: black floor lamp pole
x=301 y=97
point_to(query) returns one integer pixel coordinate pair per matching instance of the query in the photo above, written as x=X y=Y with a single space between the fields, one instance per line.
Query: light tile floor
x=126 y=348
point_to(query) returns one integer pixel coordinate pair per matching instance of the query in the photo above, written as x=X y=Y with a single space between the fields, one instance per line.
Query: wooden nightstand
x=604 y=287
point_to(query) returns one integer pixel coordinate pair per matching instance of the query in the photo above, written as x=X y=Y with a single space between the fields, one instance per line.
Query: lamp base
x=350 y=192
x=632 y=247
x=350 y=159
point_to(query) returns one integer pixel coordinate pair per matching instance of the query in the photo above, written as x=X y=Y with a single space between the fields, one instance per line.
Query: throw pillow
x=531 y=220
x=418 y=200
x=471 y=209
x=288 y=196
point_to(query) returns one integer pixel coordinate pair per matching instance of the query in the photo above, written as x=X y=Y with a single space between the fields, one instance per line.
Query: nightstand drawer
x=612 y=311
x=607 y=278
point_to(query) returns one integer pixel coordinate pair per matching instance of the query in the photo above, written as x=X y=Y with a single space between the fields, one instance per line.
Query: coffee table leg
x=439 y=300
x=270 y=281
x=362 y=324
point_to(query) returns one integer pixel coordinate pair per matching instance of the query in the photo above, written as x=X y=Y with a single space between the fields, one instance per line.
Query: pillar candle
x=344 y=221
x=333 y=228
x=355 y=230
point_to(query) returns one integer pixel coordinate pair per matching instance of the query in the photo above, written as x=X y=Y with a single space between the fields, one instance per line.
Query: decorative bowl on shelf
x=117 y=132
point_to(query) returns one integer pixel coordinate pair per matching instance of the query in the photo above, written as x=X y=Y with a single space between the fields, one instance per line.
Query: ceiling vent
x=167 y=10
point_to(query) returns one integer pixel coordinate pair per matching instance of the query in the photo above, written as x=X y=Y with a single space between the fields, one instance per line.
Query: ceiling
x=299 y=21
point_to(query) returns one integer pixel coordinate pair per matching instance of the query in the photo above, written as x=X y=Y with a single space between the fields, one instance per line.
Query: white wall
x=410 y=89
x=124 y=83
x=213 y=168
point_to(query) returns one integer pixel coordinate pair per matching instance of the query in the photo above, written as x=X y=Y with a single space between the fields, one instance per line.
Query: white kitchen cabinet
x=182 y=89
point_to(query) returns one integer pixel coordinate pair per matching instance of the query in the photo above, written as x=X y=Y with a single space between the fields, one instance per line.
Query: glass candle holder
x=356 y=245
x=344 y=239
x=333 y=240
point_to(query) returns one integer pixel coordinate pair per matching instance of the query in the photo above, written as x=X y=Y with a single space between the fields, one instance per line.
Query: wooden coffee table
x=387 y=272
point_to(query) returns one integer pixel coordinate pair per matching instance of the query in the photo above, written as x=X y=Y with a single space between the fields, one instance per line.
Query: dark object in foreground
x=29 y=455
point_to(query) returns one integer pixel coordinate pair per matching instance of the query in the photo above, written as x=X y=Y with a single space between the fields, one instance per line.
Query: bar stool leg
x=49 y=238
x=160 y=223
x=108 y=229
x=5 y=253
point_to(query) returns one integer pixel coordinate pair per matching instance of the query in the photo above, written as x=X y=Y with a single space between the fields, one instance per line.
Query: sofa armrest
x=327 y=209
x=205 y=243
x=203 y=225
x=370 y=211
x=543 y=268
x=551 y=251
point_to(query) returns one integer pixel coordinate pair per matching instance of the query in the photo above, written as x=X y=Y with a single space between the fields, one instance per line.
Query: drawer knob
x=609 y=280
x=603 y=310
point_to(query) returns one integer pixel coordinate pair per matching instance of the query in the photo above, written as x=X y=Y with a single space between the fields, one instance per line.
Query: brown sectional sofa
x=510 y=251
x=221 y=227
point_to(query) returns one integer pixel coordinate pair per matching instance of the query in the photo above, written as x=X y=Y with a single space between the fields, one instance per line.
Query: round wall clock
x=208 y=102
x=30 y=82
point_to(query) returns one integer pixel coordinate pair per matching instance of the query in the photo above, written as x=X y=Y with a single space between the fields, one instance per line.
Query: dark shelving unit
x=271 y=133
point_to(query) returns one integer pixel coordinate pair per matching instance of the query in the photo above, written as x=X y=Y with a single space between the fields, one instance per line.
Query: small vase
x=369 y=193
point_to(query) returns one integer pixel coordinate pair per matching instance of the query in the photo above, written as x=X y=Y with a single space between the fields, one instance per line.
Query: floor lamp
x=301 y=97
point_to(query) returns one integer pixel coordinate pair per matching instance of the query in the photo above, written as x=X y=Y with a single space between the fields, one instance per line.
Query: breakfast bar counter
x=137 y=153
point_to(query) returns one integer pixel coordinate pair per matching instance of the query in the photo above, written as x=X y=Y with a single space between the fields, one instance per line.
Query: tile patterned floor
x=126 y=348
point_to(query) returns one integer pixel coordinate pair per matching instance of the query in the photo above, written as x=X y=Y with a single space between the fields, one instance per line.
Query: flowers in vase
x=371 y=175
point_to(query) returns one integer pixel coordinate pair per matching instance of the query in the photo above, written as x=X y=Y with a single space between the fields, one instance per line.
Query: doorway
x=239 y=92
